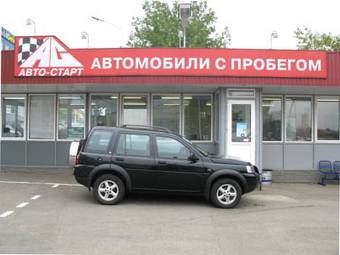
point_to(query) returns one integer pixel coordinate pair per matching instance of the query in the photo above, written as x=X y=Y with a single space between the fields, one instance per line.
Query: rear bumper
x=81 y=179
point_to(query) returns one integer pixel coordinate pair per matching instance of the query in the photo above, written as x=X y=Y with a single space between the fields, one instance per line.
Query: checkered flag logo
x=27 y=45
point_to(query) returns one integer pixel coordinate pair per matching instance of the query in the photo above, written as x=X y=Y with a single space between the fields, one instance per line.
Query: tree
x=160 y=27
x=307 y=40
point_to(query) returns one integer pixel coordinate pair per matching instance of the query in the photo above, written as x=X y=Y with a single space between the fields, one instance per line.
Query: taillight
x=78 y=159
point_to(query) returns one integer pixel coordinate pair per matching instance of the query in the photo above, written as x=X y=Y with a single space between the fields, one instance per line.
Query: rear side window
x=99 y=141
x=133 y=145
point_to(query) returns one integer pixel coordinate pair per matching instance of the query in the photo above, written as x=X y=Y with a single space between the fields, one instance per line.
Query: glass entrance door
x=241 y=130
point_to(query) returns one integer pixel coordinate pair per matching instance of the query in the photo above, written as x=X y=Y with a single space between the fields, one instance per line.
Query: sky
x=250 y=22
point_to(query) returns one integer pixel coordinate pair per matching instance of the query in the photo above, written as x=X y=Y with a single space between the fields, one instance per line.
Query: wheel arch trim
x=224 y=173
x=114 y=169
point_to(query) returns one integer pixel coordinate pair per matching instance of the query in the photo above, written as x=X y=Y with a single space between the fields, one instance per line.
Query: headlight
x=250 y=169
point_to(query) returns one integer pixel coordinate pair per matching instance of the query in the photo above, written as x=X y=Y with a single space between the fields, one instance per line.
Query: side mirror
x=193 y=158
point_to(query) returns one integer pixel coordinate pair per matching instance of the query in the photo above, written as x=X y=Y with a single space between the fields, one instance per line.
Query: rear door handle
x=162 y=162
x=99 y=159
x=120 y=159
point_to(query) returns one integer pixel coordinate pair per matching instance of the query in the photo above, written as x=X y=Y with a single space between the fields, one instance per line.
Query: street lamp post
x=227 y=37
x=184 y=11
x=273 y=35
x=86 y=36
x=111 y=24
x=180 y=35
x=30 y=22
x=184 y=37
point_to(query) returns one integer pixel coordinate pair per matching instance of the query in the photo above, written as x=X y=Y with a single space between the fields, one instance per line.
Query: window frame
x=312 y=120
x=156 y=147
x=25 y=118
x=29 y=116
x=121 y=106
x=217 y=116
x=283 y=122
x=211 y=119
x=117 y=137
x=89 y=115
x=57 y=122
x=317 y=98
x=179 y=108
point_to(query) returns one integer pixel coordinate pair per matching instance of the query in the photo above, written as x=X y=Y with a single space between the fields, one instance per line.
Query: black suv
x=116 y=160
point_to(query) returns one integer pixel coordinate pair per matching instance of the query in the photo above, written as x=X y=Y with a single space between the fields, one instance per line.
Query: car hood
x=221 y=160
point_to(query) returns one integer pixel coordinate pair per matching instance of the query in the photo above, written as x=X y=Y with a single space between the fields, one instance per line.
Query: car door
x=97 y=150
x=133 y=153
x=173 y=168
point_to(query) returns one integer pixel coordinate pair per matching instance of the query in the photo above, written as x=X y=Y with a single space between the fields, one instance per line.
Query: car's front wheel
x=108 y=189
x=225 y=193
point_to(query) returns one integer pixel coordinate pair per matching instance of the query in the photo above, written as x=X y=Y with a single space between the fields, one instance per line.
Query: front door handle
x=162 y=162
x=120 y=159
x=99 y=159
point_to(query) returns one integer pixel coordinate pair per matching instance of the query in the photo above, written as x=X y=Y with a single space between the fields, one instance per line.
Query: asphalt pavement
x=48 y=213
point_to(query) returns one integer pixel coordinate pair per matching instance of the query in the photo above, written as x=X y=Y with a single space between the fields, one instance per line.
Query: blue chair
x=336 y=168
x=326 y=170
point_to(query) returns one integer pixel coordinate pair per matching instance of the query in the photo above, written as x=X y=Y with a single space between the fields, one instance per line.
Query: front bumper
x=253 y=181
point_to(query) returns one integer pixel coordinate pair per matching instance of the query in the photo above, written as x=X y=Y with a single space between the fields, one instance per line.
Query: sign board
x=48 y=56
x=7 y=39
x=241 y=129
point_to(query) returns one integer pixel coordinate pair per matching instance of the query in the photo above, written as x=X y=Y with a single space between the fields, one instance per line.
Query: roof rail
x=144 y=127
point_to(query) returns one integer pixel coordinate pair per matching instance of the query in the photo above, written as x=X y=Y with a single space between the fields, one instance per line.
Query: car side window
x=170 y=148
x=98 y=142
x=133 y=145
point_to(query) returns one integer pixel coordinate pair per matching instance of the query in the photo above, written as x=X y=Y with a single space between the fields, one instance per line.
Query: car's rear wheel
x=108 y=189
x=225 y=193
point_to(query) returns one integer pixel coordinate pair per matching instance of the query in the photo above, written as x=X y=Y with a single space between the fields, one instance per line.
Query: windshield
x=203 y=152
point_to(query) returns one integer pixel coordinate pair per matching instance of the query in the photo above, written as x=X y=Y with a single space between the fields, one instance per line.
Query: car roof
x=148 y=129
x=143 y=129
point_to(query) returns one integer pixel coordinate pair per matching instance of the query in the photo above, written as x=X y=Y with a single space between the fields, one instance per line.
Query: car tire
x=225 y=193
x=108 y=189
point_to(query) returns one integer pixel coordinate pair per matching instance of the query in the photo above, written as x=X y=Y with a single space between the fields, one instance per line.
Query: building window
x=71 y=116
x=328 y=119
x=272 y=118
x=41 y=116
x=135 y=110
x=13 y=117
x=241 y=93
x=166 y=112
x=133 y=145
x=298 y=113
x=103 y=110
x=197 y=117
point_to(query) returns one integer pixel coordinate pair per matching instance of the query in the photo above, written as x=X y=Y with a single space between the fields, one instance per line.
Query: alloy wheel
x=108 y=190
x=226 y=194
